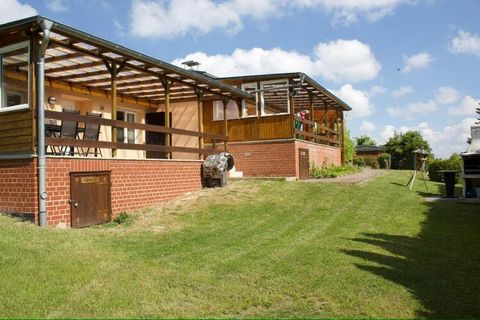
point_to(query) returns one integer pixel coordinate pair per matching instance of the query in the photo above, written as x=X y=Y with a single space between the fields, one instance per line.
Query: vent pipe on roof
x=40 y=95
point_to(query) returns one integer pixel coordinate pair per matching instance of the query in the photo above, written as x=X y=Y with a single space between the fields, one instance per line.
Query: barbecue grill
x=471 y=166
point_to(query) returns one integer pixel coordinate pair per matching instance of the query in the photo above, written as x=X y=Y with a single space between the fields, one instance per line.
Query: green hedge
x=331 y=171
x=436 y=165
x=385 y=159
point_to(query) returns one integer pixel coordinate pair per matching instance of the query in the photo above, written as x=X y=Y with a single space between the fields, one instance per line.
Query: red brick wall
x=18 y=186
x=265 y=159
x=319 y=154
x=135 y=183
x=279 y=158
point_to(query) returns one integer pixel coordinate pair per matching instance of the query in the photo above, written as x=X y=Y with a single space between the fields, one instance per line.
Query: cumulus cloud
x=465 y=42
x=377 y=90
x=447 y=95
x=444 y=142
x=357 y=99
x=386 y=133
x=417 y=61
x=412 y=109
x=56 y=5
x=467 y=107
x=367 y=127
x=402 y=91
x=422 y=107
x=11 y=10
x=347 y=12
x=165 y=19
x=161 y=19
x=339 y=61
x=347 y=60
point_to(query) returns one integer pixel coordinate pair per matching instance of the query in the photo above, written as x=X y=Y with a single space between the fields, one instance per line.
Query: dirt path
x=365 y=175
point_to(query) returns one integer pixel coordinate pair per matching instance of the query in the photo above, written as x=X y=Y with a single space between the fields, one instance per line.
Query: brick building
x=153 y=124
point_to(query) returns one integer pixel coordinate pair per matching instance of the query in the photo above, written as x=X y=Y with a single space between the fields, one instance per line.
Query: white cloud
x=367 y=127
x=331 y=61
x=377 y=90
x=422 y=107
x=417 y=61
x=159 y=19
x=412 y=109
x=447 y=95
x=11 y=10
x=466 y=43
x=349 y=11
x=466 y=108
x=402 y=91
x=346 y=60
x=357 y=99
x=165 y=19
x=56 y=5
x=444 y=142
x=386 y=133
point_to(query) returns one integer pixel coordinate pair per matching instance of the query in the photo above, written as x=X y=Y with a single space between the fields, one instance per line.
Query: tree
x=402 y=146
x=348 y=147
x=365 y=140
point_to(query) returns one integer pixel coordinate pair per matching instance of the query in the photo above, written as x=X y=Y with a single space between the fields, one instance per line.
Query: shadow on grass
x=440 y=266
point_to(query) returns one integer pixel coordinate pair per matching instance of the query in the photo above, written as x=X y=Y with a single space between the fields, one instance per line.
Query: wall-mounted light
x=52 y=101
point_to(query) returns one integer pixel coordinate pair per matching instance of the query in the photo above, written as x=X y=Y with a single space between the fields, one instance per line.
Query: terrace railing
x=317 y=133
x=214 y=139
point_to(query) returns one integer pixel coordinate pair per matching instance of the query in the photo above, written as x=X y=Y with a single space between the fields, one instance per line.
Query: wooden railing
x=58 y=141
x=327 y=136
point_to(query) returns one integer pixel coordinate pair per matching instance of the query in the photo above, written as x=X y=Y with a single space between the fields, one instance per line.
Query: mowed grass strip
x=256 y=249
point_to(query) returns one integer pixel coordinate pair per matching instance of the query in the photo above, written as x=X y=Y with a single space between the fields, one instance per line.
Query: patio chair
x=92 y=133
x=68 y=130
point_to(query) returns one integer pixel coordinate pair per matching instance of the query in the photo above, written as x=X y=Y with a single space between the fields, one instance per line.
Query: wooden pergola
x=86 y=64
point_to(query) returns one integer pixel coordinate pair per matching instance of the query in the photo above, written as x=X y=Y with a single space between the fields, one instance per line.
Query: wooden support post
x=114 y=70
x=167 y=84
x=225 y=120
x=342 y=132
x=312 y=118
x=292 y=111
x=199 y=94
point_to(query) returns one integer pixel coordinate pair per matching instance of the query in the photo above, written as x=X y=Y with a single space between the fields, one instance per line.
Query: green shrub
x=436 y=165
x=122 y=218
x=331 y=171
x=385 y=160
x=372 y=163
x=359 y=162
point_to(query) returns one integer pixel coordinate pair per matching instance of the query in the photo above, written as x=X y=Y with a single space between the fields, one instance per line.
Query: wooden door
x=158 y=138
x=90 y=199
x=303 y=163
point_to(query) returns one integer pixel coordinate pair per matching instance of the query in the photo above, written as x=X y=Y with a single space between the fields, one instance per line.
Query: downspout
x=40 y=94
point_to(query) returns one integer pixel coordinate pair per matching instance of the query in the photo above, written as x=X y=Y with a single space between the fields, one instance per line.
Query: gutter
x=40 y=95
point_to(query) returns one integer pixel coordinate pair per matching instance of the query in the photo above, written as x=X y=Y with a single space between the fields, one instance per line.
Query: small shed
x=369 y=151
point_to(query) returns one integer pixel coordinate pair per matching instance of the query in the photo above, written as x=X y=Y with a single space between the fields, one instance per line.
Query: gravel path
x=365 y=175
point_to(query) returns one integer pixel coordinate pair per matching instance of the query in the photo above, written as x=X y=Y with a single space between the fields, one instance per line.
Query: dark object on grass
x=215 y=169
x=449 y=178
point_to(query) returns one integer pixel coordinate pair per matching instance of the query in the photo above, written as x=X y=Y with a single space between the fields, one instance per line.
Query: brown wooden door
x=90 y=198
x=303 y=163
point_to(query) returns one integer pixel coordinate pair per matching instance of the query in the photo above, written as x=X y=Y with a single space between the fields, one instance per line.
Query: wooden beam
x=225 y=121
x=142 y=68
x=77 y=66
x=166 y=86
x=199 y=94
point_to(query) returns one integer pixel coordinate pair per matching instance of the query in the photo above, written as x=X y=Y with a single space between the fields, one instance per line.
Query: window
x=232 y=110
x=249 y=109
x=126 y=135
x=274 y=97
x=14 y=60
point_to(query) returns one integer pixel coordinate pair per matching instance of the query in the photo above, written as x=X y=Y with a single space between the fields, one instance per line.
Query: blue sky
x=401 y=64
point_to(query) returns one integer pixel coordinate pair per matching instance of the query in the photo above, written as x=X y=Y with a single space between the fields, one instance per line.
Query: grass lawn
x=256 y=249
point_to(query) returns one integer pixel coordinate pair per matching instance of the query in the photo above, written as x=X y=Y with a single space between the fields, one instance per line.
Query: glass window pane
x=274 y=97
x=120 y=135
x=249 y=109
x=232 y=110
x=14 y=67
